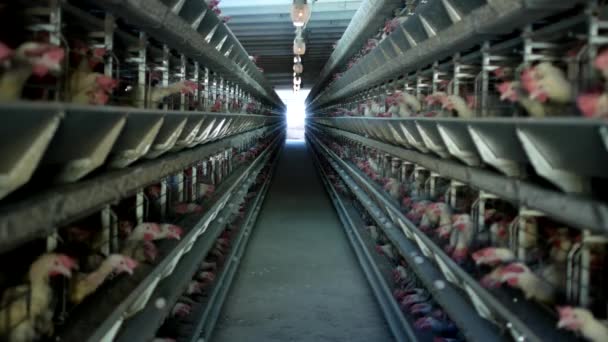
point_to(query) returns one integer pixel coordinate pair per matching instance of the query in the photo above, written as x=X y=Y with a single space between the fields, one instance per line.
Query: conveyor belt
x=299 y=279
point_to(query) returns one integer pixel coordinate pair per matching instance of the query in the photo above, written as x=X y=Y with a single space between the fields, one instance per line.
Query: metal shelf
x=447 y=295
x=189 y=26
x=400 y=327
x=203 y=328
x=575 y=210
x=434 y=32
x=537 y=326
x=103 y=315
x=37 y=215
x=145 y=324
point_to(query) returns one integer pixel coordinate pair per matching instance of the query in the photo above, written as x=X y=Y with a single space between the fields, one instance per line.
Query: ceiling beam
x=273 y=18
x=319 y=7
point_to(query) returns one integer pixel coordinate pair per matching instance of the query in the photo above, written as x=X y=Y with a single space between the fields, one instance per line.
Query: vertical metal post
x=140 y=60
x=139 y=206
x=207 y=90
x=194 y=185
x=179 y=178
x=196 y=79
x=485 y=79
x=163 y=198
x=55 y=21
x=182 y=77
x=108 y=41
x=164 y=69
x=106 y=230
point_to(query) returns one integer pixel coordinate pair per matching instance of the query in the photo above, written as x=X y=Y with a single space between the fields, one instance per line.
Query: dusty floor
x=299 y=280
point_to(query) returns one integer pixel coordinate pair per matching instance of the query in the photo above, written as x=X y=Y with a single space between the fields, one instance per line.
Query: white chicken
x=582 y=321
x=28 y=59
x=26 y=309
x=83 y=285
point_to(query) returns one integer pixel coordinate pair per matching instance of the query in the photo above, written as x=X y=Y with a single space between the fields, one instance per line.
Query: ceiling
x=265 y=30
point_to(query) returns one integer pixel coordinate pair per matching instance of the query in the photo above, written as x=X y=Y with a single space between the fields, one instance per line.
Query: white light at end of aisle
x=300 y=13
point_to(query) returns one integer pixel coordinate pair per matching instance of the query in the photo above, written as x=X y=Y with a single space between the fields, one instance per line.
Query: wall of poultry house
x=451 y=185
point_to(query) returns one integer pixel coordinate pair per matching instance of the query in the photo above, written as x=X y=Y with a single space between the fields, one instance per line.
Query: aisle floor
x=299 y=279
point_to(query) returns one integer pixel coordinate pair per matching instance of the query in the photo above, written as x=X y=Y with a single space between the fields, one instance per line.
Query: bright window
x=296 y=112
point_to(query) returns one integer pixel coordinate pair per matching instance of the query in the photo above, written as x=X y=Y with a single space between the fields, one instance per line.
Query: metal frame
x=446 y=294
x=434 y=32
x=145 y=324
x=577 y=211
x=183 y=26
x=37 y=216
x=208 y=318
x=129 y=298
x=537 y=326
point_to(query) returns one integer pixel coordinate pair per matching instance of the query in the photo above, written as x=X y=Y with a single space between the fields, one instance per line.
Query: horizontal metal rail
x=38 y=215
x=574 y=210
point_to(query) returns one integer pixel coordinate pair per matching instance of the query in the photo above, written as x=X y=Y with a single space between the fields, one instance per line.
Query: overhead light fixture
x=297 y=59
x=299 y=46
x=297 y=81
x=298 y=68
x=300 y=13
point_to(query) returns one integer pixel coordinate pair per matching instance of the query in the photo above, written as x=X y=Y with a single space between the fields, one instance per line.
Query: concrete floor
x=299 y=280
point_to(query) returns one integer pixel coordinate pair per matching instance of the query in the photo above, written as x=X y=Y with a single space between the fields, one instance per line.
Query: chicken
x=169 y=231
x=376 y=234
x=139 y=245
x=208 y=266
x=438 y=213
x=157 y=94
x=528 y=232
x=547 y=82
x=593 y=105
x=194 y=287
x=26 y=309
x=582 y=321
x=181 y=310
x=560 y=246
x=394 y=188
x=463 y=231
x=499 y=233
x=387 y=250
x=408 y=104
x=436 y=325
x=512 y=91
x=206 y=276
x=518 y=275
x=493 y=256
x=28 y=59
x=601 y=63
x=206 y=190
x=83 y=285
x=84 y=85
x=464 y=109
